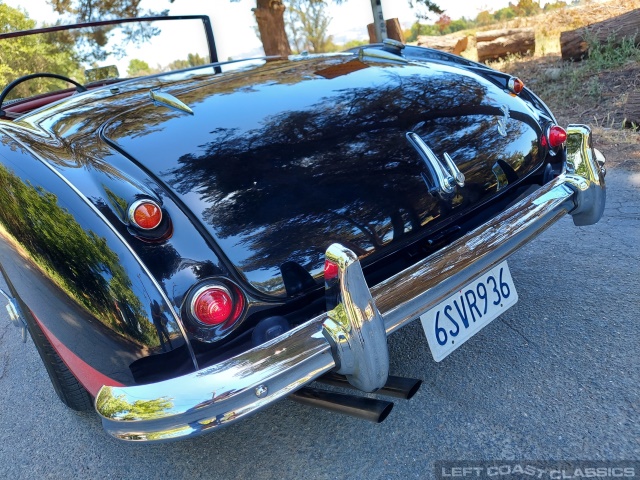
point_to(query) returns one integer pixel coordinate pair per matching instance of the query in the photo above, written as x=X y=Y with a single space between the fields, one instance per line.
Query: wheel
x=70 y=391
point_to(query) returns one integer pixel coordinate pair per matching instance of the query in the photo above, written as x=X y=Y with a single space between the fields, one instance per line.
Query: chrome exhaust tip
x=370 y=409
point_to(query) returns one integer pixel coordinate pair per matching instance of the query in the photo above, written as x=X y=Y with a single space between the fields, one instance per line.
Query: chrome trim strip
x=218 y=395
x=376 y=54
x=15 y=314
x=117 y=234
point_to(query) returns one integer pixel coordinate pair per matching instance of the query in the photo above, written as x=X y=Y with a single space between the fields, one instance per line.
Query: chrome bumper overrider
x=351 y=336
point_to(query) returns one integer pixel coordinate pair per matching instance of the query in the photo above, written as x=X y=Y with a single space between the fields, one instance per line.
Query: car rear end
x=293 y=214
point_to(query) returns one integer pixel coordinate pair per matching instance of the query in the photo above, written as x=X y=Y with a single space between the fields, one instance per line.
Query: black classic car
x=188 y=243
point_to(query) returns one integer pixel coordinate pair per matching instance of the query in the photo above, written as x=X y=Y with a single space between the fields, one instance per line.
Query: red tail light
x=556 y=136
x=516 y=85
x=216 y=305
x=145 y=214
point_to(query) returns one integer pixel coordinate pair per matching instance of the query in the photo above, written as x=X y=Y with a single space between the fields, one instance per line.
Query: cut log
x=394 y=30
x=632 y=111
x=574 y=44
x=447 y=43
x=495 y=44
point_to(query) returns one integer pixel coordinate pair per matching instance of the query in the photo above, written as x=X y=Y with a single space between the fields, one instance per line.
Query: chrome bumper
x=351 y=336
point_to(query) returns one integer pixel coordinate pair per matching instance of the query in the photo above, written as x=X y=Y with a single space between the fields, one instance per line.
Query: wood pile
x=394 y=31
x=455 y=44
x=496 y=44
x=574 y=44
x=632 y=110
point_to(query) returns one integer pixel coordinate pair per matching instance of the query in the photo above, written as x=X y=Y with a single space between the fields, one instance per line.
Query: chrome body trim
x=442 y=182
x=375 y=54
x=169 y=101
x=585 y=171
x=393 y=44
x=220 y=394
x=15 y=315
x=458 y=176
x=355 y=327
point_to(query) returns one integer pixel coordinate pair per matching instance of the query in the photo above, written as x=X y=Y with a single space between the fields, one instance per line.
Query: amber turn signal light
x=145 y=214
x=516 y=85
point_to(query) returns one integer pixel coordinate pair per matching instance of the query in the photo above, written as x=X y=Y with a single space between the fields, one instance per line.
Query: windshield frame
x=206 y=22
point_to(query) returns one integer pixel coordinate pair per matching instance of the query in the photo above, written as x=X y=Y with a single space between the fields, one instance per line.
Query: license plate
x=453 y=321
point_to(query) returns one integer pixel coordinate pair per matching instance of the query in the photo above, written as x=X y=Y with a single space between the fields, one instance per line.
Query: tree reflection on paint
x=341 y=170
x=79 y=262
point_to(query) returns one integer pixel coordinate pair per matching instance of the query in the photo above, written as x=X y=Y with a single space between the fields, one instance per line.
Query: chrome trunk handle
x=443 y=177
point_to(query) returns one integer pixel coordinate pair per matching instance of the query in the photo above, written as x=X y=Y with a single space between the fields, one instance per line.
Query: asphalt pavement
x=557 y=377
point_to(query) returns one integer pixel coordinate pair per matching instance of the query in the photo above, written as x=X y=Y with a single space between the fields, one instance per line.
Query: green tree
x=425 y=8
x=138 y=68
x=506 y=13
x=484 y=18
x=526 y=8
x=91 y=10
x=554 y=6
x=460 y=24
x=195 y=60
x=192 y=60
x=36 y=53
x=307 y=23
x=421 y=29
x=354 y=44
x=94 y=41
x=269 y=17
x=443 y=23
x=272 y=26
x=443 y=26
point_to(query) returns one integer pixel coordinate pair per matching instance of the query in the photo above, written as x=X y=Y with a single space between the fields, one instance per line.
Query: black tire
x=66 y=385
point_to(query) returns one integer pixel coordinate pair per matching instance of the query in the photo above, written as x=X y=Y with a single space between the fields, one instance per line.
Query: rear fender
x=74 y=275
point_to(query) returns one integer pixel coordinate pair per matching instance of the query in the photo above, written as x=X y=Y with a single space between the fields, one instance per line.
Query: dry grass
x=548 y=26
x=592 y=92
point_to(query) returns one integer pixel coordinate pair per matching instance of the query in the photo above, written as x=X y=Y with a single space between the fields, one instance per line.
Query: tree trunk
x=574 y=43
x=455 y=44
x=270 y=17
x=394 y=31
x=632 y=111
x=494 y=44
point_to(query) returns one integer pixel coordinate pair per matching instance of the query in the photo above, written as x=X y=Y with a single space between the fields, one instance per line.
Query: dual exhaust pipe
x=371 y=409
